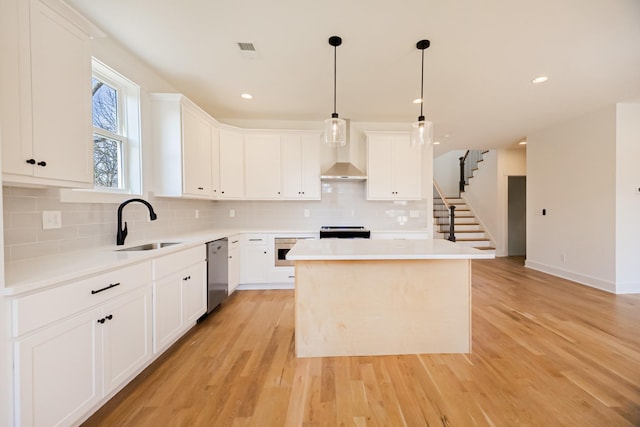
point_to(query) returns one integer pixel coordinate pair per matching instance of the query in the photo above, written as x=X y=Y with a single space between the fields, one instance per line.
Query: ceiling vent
x=247 y=46
x=248 y=50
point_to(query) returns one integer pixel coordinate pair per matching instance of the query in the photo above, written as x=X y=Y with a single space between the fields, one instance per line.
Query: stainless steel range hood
x=343 y=169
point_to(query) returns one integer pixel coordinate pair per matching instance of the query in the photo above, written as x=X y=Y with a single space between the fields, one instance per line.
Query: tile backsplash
x=86 y=225
x=343 y=203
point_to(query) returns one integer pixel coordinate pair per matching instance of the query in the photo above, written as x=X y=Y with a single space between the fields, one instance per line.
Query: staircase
x=468 y=230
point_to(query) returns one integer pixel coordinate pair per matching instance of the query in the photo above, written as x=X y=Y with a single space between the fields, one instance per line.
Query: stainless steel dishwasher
x=217 y=273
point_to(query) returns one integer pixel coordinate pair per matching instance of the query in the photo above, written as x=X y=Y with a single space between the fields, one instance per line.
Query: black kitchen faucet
x=122 y=232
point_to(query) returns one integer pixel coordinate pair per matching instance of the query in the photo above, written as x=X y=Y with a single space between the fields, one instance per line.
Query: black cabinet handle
x=101 y=320
x=222 y=192
x=200 y=188
x=31 y=161
x=111 y=285
x=109 y=317
x=42 y=163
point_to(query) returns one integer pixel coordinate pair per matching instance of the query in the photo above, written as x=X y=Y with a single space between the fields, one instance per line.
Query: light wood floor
x=546 y=352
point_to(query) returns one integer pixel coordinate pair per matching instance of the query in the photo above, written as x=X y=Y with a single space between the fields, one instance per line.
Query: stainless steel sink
x=148 y=246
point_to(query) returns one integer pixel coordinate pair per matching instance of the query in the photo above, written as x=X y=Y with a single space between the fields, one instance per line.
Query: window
x=116 y=131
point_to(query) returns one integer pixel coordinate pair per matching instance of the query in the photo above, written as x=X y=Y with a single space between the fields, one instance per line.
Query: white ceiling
x=478 y=70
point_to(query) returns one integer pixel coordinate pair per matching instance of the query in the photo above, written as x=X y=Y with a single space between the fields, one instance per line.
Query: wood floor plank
x=546 y=351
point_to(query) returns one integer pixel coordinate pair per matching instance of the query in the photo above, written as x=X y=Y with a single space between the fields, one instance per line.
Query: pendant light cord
x=422 y=84
x=335 y=56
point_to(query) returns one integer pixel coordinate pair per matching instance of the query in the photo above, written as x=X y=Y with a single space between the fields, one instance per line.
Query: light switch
x=232 y=213
x=51 y=220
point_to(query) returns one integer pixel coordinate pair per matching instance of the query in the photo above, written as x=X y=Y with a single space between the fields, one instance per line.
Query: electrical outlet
x=51 y=220
x=232 y=213
x=414 y=214
x=307 y=214
x=197 y=213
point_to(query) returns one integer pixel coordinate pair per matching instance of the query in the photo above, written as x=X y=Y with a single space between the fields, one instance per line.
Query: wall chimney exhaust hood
x=343 y=169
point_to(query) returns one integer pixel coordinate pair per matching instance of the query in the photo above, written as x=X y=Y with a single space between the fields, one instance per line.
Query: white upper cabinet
x=231 y=164
x=51 y=142
x=182 y=135
x=301 y=166
x=394 y=168
x=262 y=167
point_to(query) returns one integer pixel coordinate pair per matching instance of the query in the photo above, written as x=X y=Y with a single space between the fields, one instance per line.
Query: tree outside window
x=107 y=136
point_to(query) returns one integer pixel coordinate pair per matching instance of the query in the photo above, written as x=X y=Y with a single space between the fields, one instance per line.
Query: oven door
x=281 y=249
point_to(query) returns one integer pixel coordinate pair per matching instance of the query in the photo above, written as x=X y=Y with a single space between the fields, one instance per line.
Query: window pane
x=105 y=106
x=107 y=155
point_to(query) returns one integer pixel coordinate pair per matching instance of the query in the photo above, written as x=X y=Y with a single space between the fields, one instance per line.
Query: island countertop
x=367 y=249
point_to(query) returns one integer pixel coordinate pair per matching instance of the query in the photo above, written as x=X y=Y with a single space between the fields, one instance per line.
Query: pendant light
x=335 y=128
x=422 y=131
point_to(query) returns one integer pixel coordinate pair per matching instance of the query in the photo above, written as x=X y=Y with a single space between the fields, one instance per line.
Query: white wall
x=571 y=172
x=628 y=198
x=446 y=172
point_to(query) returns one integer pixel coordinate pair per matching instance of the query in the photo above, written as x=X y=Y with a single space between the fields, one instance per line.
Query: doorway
x=517 y=216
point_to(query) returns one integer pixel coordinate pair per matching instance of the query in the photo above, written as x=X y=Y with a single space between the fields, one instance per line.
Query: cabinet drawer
x=254 y=239
x=169 y=264
x=34 y=311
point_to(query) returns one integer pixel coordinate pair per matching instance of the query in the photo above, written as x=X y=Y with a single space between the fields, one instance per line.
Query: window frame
x=129 y=126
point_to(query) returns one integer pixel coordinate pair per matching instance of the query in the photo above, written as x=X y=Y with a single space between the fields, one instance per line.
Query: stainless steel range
x=344 y=232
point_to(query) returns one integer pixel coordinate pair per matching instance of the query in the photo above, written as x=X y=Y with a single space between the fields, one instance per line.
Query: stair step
x=485 y=248
x=479 y=243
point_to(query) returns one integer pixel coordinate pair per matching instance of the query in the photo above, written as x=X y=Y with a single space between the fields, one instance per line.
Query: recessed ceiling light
x=417 y=101
x=522 y=142
x=436 y=142
x=246 y=96
x=540 y=79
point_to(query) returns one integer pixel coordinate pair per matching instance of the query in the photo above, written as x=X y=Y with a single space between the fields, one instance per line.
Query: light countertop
x=366 y=249
x=38 y=273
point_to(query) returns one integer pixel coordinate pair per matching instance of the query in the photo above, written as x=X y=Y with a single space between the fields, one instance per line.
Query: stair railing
x=443 y=212
x=468 y=164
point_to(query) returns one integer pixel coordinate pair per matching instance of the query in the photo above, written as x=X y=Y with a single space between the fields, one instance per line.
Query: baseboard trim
x=582 y=279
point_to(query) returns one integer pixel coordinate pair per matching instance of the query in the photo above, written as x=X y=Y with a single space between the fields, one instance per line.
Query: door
x=517 y=216
x=61 y=97
x=126 y=336
x=194 y=293
x=196 y=153
x=63 y=357
x=231 y=165
x=262 y=167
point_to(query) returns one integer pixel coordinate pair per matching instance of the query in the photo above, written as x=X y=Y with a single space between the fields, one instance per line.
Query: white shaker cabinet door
x=231 y=165
x=196 y=152
x=262 y=167
x=194 y=292
x=301 y=167
x=55 y=145
x=234 y=263
x=126 y=336
x=58 y=370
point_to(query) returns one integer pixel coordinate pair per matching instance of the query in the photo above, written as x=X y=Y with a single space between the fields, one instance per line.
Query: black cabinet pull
x=101 y=320
x=109 y=317
x=31 y=161
x=43 y=163
x=200 y=188
x=111 y=285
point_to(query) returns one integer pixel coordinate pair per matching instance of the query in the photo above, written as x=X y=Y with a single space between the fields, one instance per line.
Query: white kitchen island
x=360 y=297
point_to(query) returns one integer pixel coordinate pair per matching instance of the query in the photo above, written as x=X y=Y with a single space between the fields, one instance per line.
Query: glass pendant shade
x=421 y=132
x=335 y=131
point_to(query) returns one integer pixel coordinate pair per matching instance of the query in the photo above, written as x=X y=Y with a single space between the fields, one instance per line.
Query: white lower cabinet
x=66 y=368
x=66 y=356
x=234 y=263
x=257 y=257
x=179 y=294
